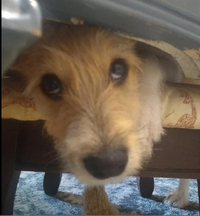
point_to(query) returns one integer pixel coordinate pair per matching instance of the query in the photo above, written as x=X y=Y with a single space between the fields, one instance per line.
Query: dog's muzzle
x=107 y=164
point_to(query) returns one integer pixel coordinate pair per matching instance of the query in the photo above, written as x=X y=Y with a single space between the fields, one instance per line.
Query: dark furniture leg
x=9 y=197
x=51 y=183
x=10 y=134
x=145 y=186
x=198 y=185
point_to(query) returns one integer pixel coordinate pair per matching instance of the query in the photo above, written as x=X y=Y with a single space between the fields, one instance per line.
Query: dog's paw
x=105 y=210
x=177 y=199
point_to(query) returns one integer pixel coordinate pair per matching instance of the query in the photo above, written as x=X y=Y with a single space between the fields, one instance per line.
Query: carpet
x=31 y=200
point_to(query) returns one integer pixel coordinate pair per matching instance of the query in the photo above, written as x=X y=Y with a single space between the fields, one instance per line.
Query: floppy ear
x=15 y=79
x=173 y=71
x=23 y=69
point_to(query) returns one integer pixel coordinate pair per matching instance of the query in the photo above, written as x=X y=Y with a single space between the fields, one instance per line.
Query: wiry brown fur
x=95 y=113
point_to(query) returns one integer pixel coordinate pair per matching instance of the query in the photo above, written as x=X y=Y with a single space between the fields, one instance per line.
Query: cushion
x=180 y=106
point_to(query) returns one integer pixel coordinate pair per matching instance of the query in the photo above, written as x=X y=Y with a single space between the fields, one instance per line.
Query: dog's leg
x=179 y=197
x=96 y=202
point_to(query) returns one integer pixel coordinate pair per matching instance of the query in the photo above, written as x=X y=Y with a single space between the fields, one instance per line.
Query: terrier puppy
x=100 y=100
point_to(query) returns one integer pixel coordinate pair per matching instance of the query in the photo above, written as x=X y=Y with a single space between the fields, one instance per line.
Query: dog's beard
x=72 y=160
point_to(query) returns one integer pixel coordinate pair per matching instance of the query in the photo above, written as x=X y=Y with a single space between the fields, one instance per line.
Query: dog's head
x=84 y=81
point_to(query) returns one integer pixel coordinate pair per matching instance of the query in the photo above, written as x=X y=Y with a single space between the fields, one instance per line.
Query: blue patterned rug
x=31 y=200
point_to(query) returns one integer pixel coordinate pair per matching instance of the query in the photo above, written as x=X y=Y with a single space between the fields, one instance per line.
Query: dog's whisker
x=50 y=152
x=154 y=149
x=56 y=159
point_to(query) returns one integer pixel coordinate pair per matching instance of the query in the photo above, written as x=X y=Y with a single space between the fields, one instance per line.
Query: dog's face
x=84 y=81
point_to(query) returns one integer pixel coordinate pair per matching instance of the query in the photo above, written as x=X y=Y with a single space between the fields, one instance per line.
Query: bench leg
x=145 y=186
x=9 y=197
x=10 y=177
x=51 y=183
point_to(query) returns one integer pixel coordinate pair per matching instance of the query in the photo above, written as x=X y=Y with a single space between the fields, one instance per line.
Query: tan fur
x=96 y=202
x=94 y=113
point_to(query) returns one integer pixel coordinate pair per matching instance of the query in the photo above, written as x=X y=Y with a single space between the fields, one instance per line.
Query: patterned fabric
x=14 y=105
x=180 y=106
x=30 y=198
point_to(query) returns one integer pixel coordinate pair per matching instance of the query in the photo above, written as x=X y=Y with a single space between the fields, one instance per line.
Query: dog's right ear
x=19 y=75
x=16 y=75
x=15 y=79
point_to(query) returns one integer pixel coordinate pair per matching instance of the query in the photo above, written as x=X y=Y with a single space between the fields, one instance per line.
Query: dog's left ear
x=173 y=71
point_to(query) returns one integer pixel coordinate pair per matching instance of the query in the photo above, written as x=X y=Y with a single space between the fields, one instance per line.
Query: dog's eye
x=118 y=69
x=51 y=85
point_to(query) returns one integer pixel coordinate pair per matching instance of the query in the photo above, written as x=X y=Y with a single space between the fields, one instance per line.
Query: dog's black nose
x=107 y=164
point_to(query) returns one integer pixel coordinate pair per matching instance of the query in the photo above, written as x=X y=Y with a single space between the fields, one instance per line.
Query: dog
x=101 y=100
x=179 y=197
